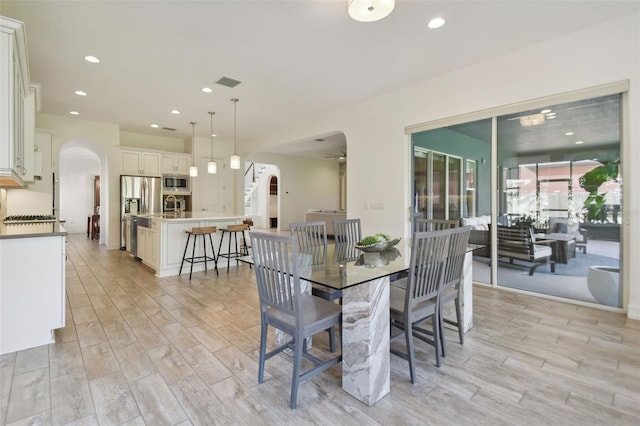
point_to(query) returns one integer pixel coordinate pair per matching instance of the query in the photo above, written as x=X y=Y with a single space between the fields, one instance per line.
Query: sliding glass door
x=558 y=190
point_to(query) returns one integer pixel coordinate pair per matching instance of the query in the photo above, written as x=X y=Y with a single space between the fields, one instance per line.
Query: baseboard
x=633 y=312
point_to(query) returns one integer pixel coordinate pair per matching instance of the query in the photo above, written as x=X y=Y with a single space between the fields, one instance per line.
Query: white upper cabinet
x=17 y=107
x=175 y=164
x=140 y=163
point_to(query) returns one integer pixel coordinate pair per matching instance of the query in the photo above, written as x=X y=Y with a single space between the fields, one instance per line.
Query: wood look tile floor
x=139 y=350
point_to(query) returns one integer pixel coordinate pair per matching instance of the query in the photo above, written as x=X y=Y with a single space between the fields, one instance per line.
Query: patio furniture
x=518 y=243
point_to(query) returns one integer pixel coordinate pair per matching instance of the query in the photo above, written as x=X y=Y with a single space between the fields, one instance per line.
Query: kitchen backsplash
x=3 y=203
x=26 y=201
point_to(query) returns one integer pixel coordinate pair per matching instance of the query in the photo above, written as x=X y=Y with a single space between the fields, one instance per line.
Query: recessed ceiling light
x=92 y=59
x=551 y=116
x=155 y=126
x=175 y=111
x=545 y=111
x=80 y=93
x=579 y=142
x=74 y=113
x=436 y=22
x=214 y=135
x=568 y=134
x=532 y=120
x=207 y=89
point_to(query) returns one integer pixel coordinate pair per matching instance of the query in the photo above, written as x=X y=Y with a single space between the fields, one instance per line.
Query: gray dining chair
x=284 y=307
x=347 y=232
x=424 y=225
x=312 y=241
x=452 y=281
x=418 y=301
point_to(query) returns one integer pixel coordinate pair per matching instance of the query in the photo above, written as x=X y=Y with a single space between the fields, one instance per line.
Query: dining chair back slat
x=275 y=274
x=452 y=281
x=347 y=231
x=428 y=254
x=427 y=225
x=455 y=257
x=312 y=240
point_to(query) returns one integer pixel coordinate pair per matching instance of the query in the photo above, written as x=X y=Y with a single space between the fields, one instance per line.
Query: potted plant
x=594 y=210
x=528 y=221
x=525 y=221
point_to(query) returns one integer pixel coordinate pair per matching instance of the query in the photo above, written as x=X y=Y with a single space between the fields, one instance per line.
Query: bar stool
x=203 y=231
x=245 y=243
x=240 y=251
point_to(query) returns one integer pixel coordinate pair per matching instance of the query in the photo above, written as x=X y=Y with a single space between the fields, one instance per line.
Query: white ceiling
x=296 y=59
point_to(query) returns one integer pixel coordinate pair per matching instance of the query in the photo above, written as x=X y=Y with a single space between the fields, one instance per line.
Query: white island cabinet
x=32 y=285
x=172 y=239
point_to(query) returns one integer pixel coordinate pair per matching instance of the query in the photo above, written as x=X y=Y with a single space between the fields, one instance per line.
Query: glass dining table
x=364 y=279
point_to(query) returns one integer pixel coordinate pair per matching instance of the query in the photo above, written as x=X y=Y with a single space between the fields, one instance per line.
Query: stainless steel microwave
x=176 y=183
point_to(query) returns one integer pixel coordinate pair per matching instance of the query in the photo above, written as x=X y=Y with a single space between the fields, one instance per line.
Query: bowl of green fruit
x=376 y=243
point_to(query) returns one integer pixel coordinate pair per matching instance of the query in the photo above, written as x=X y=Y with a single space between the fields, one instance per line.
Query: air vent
x=228 y=82
x=170 y=129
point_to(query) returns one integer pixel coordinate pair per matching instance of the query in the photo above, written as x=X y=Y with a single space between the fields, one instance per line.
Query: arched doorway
x=81 y=166
x=262 y=199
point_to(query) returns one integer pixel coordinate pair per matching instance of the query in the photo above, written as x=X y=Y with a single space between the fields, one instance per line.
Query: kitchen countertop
x=31 y=230
x=190 y=216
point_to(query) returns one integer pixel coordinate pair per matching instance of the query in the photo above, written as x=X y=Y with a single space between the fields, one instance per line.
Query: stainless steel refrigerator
x=139 y=195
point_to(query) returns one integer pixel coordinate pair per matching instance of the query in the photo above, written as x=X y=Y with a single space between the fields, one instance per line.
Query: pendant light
x=211 y=165
x=193 y=170
x=235 y=158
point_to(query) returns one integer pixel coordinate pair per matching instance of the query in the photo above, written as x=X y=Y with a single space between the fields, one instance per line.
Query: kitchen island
x=32 y=284
x=161 y=244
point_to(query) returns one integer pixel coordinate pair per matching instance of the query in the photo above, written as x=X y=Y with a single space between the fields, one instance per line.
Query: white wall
x=222 y=151
x=78 y=166
x=162 y=143
x=302 y=184
x=374 y=128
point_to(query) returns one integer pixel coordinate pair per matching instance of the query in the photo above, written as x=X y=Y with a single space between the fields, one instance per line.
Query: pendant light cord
x=211 y=114
x=235 y=124
x=193 y=136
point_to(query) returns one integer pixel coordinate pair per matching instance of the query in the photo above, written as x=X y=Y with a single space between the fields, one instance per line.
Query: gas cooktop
x=29 y=218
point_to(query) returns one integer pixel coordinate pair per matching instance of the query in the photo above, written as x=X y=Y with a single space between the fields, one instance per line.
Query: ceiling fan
x=340 y=156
